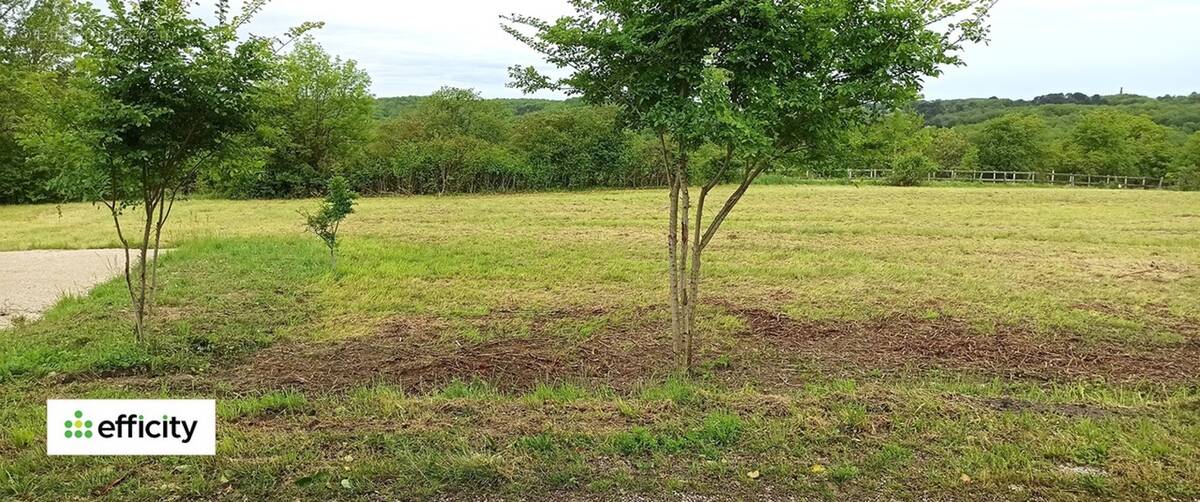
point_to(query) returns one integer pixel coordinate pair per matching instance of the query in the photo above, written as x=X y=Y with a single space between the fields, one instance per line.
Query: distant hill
x=1181 y=113
x=386 y=108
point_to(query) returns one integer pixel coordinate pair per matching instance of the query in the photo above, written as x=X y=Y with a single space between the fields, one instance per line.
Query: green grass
x=1119 y=267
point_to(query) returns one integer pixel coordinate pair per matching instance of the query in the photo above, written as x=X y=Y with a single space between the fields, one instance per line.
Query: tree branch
x=751 y=173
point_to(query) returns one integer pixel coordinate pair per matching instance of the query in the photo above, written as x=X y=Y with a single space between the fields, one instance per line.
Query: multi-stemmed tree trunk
x=141 y=270
x=688 y=237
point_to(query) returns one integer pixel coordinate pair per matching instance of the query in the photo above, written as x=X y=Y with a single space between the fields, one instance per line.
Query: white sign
x=131 y=427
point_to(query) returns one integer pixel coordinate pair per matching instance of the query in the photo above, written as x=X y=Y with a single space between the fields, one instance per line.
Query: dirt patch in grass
x=904 y=342
x=516 y=351
x=424 y=353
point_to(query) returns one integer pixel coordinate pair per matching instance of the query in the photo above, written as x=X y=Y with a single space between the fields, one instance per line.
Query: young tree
x=169 y=91
x=761 y=79
x=910 y=169
x=879 y=144
x=338 y=203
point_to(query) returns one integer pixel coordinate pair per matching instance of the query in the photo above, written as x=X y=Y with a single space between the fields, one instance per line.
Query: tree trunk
x=158 y=227
x=139 y=306
x=683 y=356
x=116 y=216
x=673 y=270
x=675 y=182
x=694 y=280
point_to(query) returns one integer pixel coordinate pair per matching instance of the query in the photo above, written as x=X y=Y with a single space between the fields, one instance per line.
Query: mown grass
x=1118 y=266
x=1102 y=261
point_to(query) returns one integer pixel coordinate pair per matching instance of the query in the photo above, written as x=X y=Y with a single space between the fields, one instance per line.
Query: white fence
x=1085 y=180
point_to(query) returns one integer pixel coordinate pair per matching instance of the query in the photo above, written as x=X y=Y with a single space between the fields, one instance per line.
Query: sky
x=413 y=47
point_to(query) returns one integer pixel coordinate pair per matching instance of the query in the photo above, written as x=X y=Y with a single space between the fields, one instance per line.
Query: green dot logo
x=78 y=427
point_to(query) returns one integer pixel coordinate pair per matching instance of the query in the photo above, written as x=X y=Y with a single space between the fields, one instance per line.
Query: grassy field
x=929 y=343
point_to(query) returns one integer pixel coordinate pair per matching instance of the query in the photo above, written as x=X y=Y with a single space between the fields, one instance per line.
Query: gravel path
x=32 y=281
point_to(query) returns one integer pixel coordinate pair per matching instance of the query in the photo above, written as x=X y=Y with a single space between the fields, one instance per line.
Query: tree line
x=1176 y=112
x=1098 y=140
x=314 y=117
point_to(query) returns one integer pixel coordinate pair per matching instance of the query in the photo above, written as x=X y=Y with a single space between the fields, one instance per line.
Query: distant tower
x=1122 y=93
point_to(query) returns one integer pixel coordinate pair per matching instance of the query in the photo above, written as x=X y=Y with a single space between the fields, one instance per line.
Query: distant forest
x=387 y=108
x=1177 y=112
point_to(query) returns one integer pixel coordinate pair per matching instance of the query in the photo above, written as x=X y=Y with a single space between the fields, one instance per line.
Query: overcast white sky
x=411 y=47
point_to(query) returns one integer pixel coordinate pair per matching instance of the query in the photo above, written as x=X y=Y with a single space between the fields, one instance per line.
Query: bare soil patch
x=418 y=354
x=772 y=350
x=905 y=342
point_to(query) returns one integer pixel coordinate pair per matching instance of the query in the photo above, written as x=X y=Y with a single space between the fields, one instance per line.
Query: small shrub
x=338 y=204
x=911 y=169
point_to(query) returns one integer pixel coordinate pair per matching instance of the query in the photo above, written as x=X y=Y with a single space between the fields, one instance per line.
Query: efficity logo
x=133 y=425
x=130 y=427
